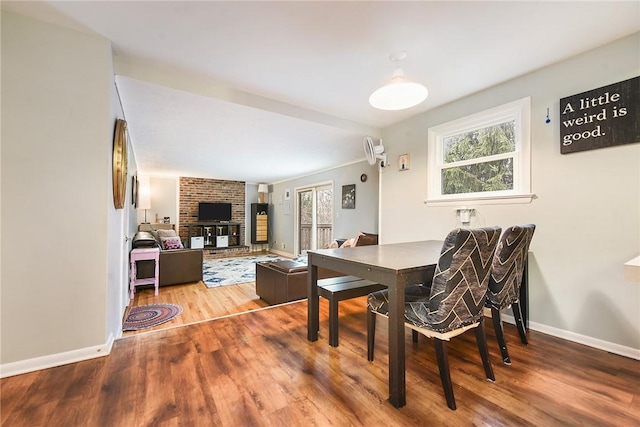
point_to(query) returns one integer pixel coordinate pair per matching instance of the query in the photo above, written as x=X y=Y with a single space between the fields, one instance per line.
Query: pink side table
x=144 y=254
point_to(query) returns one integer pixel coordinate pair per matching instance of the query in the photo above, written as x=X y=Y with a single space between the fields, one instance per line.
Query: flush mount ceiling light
x=399 y=93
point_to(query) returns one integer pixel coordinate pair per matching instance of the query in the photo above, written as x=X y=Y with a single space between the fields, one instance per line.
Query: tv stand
x=216 y=234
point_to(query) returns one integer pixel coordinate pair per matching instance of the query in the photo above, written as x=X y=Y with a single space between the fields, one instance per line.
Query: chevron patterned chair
x=504 y=284
x=454 y=303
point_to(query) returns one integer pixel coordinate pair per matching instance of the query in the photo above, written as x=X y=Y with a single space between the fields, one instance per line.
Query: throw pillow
x=167 y=233
x=349 y=243
x=171 y=243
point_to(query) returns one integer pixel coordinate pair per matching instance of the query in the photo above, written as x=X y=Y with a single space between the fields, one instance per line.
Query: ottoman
x=281 y=281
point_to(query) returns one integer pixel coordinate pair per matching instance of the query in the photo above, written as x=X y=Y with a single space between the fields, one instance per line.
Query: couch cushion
x=288 y=266
x=166 y=233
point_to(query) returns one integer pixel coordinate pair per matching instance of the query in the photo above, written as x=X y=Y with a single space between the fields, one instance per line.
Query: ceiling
x=265 y=91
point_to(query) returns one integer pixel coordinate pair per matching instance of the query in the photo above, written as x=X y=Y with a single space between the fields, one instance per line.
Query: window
x=482 y=158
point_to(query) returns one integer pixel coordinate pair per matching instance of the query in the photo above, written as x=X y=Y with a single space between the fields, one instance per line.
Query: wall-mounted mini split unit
x=374 y=153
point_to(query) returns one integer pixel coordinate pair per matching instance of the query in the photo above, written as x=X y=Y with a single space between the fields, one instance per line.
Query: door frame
x=296 y=207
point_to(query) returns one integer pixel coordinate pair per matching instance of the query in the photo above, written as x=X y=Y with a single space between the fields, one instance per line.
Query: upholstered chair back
x=460 y=281
x=508 y=266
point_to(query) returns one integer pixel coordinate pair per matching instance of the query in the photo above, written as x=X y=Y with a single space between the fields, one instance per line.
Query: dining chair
x=506 y=277
x=454 y=303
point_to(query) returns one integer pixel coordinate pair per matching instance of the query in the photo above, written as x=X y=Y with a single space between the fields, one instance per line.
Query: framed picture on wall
x=134 y=190
x=404 y=162
x=349 y=196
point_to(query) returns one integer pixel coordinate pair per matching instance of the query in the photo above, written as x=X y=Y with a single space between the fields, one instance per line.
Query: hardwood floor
x=198 y=302
x=258 y=369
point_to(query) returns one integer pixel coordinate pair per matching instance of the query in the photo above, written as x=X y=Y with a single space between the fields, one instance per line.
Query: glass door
x=315 y=217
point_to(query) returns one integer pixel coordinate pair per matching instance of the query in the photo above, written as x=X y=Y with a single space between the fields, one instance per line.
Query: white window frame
x=519 y=111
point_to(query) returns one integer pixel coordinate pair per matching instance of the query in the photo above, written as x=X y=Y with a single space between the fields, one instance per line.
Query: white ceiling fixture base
x=399 y=93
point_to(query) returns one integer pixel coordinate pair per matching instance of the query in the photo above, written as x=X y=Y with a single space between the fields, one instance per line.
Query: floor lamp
x=144 y=195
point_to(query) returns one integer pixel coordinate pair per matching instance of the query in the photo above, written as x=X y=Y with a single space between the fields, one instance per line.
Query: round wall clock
x=363 y=177
x=120 y=164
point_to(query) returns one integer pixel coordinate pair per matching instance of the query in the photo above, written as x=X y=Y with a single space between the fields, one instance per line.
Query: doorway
x=314 y=207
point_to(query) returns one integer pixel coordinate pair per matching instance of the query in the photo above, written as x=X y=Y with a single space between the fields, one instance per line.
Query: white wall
x=587 y=205
x=164 y=199
x=346 y=222
x=57 y=125
x=121 y=226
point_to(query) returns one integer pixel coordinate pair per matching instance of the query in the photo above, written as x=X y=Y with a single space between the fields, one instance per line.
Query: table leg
x=397 y=390
x=157 y=282
x=313 y=303
x=132 y=279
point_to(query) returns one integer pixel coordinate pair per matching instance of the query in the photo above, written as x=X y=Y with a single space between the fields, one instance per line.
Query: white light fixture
x=262 y=189
x=399 y=93
x=144 y=195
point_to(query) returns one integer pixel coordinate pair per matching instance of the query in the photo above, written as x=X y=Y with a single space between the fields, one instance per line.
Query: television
x=214 y=211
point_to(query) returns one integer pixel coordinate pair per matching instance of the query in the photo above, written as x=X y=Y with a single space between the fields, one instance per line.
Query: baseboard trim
x=53 y=360
x=614 y=348
x=630 y=352
x=281 y=253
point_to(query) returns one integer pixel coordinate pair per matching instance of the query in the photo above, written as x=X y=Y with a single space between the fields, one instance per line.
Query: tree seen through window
x=467 y=163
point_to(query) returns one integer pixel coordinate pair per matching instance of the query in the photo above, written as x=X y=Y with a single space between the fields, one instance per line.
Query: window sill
x=493 y=200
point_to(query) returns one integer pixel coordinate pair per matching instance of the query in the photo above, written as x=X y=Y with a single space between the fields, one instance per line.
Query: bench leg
x=333 y=323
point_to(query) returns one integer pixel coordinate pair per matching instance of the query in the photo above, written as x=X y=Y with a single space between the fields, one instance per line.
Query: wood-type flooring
x=198 y=302
x=258 y=369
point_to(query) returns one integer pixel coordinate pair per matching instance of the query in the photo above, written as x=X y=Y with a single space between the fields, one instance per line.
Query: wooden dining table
x=396 y=266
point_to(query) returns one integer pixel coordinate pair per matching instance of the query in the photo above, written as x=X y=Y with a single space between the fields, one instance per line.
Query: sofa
x=278 y=282
x=360 y=239
x=177 y=265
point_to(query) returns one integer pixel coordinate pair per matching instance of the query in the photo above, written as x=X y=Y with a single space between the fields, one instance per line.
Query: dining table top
x=398 y=257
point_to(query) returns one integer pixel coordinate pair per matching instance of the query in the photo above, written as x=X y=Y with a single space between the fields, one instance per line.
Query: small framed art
x=134 y=191
x=349 y=196
x=404 y=162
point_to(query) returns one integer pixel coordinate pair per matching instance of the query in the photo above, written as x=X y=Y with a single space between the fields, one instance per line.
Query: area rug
x=232 y=271
x=146 y=316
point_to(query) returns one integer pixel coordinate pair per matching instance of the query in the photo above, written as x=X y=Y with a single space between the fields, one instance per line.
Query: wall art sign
x=601 y=117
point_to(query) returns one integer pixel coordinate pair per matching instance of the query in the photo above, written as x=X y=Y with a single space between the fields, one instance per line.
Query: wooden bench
x=336 y=289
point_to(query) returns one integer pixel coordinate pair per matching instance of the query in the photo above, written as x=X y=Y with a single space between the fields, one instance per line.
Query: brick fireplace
x=195 y=190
